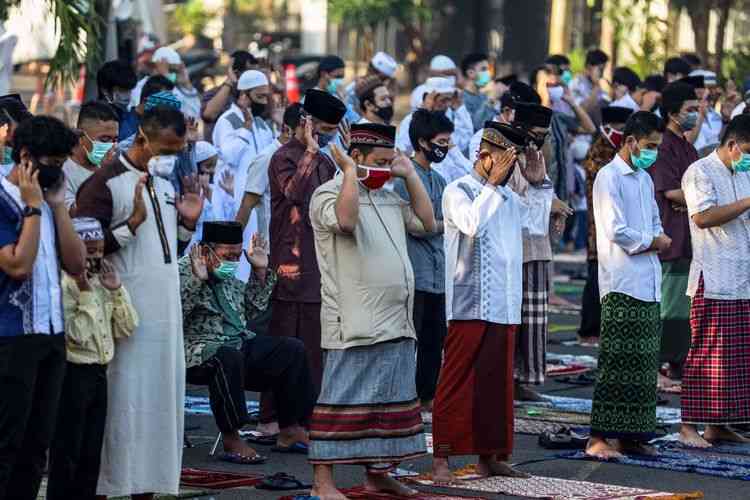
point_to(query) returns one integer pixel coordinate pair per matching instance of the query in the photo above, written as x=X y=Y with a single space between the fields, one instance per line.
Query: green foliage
x=79 y=26
x=736 y=62
x=577 y=58
x=192 y=17
x=646 y=50
x=364 y=13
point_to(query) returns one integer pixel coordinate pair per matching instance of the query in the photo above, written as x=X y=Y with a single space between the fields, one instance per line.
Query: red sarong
x=473 y=408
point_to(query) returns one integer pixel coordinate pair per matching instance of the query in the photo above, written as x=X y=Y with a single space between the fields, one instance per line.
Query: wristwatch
x=31 y=211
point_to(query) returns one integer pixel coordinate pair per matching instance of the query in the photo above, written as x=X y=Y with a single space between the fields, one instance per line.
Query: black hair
x=692 y=59
x=426 y=125
x=369 y=95
x=557 y=60
x=677 y=66
x=241 y=59
x=115 y=74
x=738 y=129
x=674 y=96
x=154 y=84
x=13 y=110
x=642 y=124
x=627 y=77
x=329 y=64
x=471 y=60
x=365 y=149
x=96 y=111
x=164 y=117
x=293 y=115
x=43 y=136
x=596 y=57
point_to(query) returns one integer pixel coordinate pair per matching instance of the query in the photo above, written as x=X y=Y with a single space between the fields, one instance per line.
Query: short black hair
x=98 y=111
x=13 y=110
x=241 y=59
x=43 y=136
x=154 y=84
x=596 y=57
x=163 y=117
x=692 y=59
x=674 y=95
x=642 y=124
x=471 y=60
x=557 y=60
x=293 y=115
x=627 y=77
x=738 y=129
x=426 y=125
x=677 y=66
x=115 y=74
x=369 y=95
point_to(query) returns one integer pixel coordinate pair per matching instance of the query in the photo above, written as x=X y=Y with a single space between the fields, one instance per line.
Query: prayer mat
x=664 y=415
x=551 y=415
x=358 y=492
x=679 y=461
x=670 y=443
x=572 y=359
x=534 y=426
x=194 y=493
x=199 y=405
x=565 y=370
x=569 y=288
x=217 y=480
x=558 y=328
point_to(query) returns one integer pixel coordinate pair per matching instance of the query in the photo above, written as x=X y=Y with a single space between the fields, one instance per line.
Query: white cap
x=440 y=84
x=204 y=150
x=709 y=77
x=384 y=63
x=251 y=79
x=167 y=54
x=442 y=63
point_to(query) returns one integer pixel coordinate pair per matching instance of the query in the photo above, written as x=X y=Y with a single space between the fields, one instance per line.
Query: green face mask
x=172 y=77
x=98 y=151
x=334 y=84
x=644 y=160
x=483 y=78
x=743 y=164
x=226 y=270
x=566 y=77
x=7 y=157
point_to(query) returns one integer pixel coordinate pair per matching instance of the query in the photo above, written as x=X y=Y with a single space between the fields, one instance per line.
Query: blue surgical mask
x=7 y=155
x=334 y=84
x=645 y=159
x=98 y=151
x=689 y=121
x=743 y=164
x=172 y=77
x=226 y=270
x=483 y=78
x=566 y=77
x=324 y=139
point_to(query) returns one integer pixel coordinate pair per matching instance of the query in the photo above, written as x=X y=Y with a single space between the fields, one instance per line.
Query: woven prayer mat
x=533 y=426
x=358 y=492
x=664 y=415
x=566 y=370
x=217 y=480
x=199 y=405
x=723 y=448
x=551 y=415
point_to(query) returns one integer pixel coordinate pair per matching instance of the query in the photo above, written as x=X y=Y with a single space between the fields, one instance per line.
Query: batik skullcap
x=88 y=229
x=162 y=98
x=167 y=54
x=385 y=64
x=204 y=150
x=373 y=134
x=502 y=135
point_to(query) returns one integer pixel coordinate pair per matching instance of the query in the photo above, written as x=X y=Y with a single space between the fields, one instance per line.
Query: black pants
x=75 y=454
x=32 y=368
x=429 y=321
x=275 y=364
x=591 y=310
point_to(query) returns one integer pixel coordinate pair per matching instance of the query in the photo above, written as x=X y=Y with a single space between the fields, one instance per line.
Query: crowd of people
x=367 y=277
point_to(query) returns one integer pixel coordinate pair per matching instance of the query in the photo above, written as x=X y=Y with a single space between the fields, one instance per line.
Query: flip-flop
x=283 y=482
x=236 y=458
x=256 y=437
x=298 y=447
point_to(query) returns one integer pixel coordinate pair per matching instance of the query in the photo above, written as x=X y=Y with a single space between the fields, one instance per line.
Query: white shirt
x=235 y=142
x=417 y=96
x=48 y=310
x=75 y=176
x=581 y=87
x=484 y=226
x=627 y=221
x=710 y=130
x=454 y=166
x=738 y=110
x=257 y=183
x=626 y=101
x=720 y=253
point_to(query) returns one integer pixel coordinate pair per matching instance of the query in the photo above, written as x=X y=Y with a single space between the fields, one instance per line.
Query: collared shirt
x=234 y=141
x=293 y=176
x=535 y=247
x=600 y=154
x=426 y=251
x=719 y=253
x=75 y=176
x=675 y=156
x=257 y=183
x=627 y=221
x=626 y=101
x=94 y=319
x=33 y=306
x=208 y=125
x=479 y=108
x=484 y=228
x=367 y=281
x=710 y=130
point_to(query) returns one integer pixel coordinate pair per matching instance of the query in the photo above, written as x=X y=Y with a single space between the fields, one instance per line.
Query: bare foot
x=723 y=433
x=328 y=494
x=634 y=448
x=689 y=437
x=441 y=472
x=386 y=484
x=290 y=435
x=233 y=443
x=525 y=393
x=488 y=467
x=599 y=448
x=269 y=429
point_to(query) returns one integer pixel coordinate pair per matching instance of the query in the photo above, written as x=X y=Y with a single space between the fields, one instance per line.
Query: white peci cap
x=440 y=84
x=204 y=150
x=442 y=63
x=251 y=79
x=384 y=64
x=167 y=54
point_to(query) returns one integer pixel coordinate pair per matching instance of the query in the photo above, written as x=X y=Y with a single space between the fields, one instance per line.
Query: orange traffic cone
x=292 y=85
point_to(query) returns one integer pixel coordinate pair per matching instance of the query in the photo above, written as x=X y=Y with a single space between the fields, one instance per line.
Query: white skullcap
x=442 y=63
x=709 y=77
x=251 y=79
x=167 y=54
x=440 y=84
x=204 y=150
x=384 y=63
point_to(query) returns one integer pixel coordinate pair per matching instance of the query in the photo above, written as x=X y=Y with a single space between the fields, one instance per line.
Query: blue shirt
x=129 y=123
x=427 y=254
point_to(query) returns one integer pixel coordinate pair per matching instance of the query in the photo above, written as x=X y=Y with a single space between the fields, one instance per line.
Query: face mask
x=172 y=77
x=436 y=153
x=258 y=108
x=385 y=113
x=7 y=155
x=644 y=160
x=324 y=139
x=555 y=93
x=98 y=151
x=689 y=122
x=334 y=84
x=121 y=99
x=566 y=77
x=226 y=270
x=743 y=164
x=375 y=178
x=94 y=265
x=162 y=165
x=613 y=136
x=483 y=78
x=48 y=175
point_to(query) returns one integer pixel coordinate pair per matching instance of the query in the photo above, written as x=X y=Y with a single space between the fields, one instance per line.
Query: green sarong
x=675 y=312
x=624 y=404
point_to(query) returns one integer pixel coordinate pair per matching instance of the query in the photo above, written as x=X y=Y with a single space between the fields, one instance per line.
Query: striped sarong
x=530 y=360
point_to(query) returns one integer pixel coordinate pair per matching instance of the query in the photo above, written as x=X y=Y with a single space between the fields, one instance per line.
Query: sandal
x=283 y=482
x=563 y=439
x=236 y=458
x=298 y=447
x=255 y=437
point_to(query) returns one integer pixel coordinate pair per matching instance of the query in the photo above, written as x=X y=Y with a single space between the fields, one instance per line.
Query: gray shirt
x=426 y=252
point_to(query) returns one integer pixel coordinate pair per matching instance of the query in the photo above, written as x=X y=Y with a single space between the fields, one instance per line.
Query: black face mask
x=94 y=265
x=48 y=175
x=258 y=108
x=385 y=113
x=436 y=153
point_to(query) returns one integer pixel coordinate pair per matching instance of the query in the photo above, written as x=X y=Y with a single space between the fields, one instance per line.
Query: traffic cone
x=292 y=85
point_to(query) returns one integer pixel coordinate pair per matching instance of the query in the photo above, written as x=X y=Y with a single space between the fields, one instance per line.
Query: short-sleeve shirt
x=720 y=253
x=675 y=155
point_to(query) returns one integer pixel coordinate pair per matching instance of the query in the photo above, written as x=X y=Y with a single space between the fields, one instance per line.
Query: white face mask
x=555 y=93
x=162 y=165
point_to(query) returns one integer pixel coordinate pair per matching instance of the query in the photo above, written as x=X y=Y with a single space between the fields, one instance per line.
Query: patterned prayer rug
x=358 y=492
x=552 y=415
x=217 y=480
x=664 y=415
x=199 y=405
x=566 y=370
x=535 y=427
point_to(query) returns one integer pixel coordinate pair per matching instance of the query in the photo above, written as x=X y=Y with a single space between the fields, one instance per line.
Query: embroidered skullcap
x=251 y=79
x=615 y=114
x=167 y=54
x=324 y=106
x=384 y=63
x=373 y=134
x=88 y=229
x=502 y=135
x=163 y=98
x=532 y=115
x=442 y=63
x=204 y=150
x=222 y=232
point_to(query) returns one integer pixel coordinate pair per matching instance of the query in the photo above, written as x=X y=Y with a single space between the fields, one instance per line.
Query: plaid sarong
x=530 y=360
x=716 y=379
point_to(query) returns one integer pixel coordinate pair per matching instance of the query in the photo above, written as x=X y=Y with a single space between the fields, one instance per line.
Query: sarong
x=624 y=404
x=368 y=412
x=716 y=379
x=531 y=339
x=473 y=409
x=591 y=307
x=675 y=312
